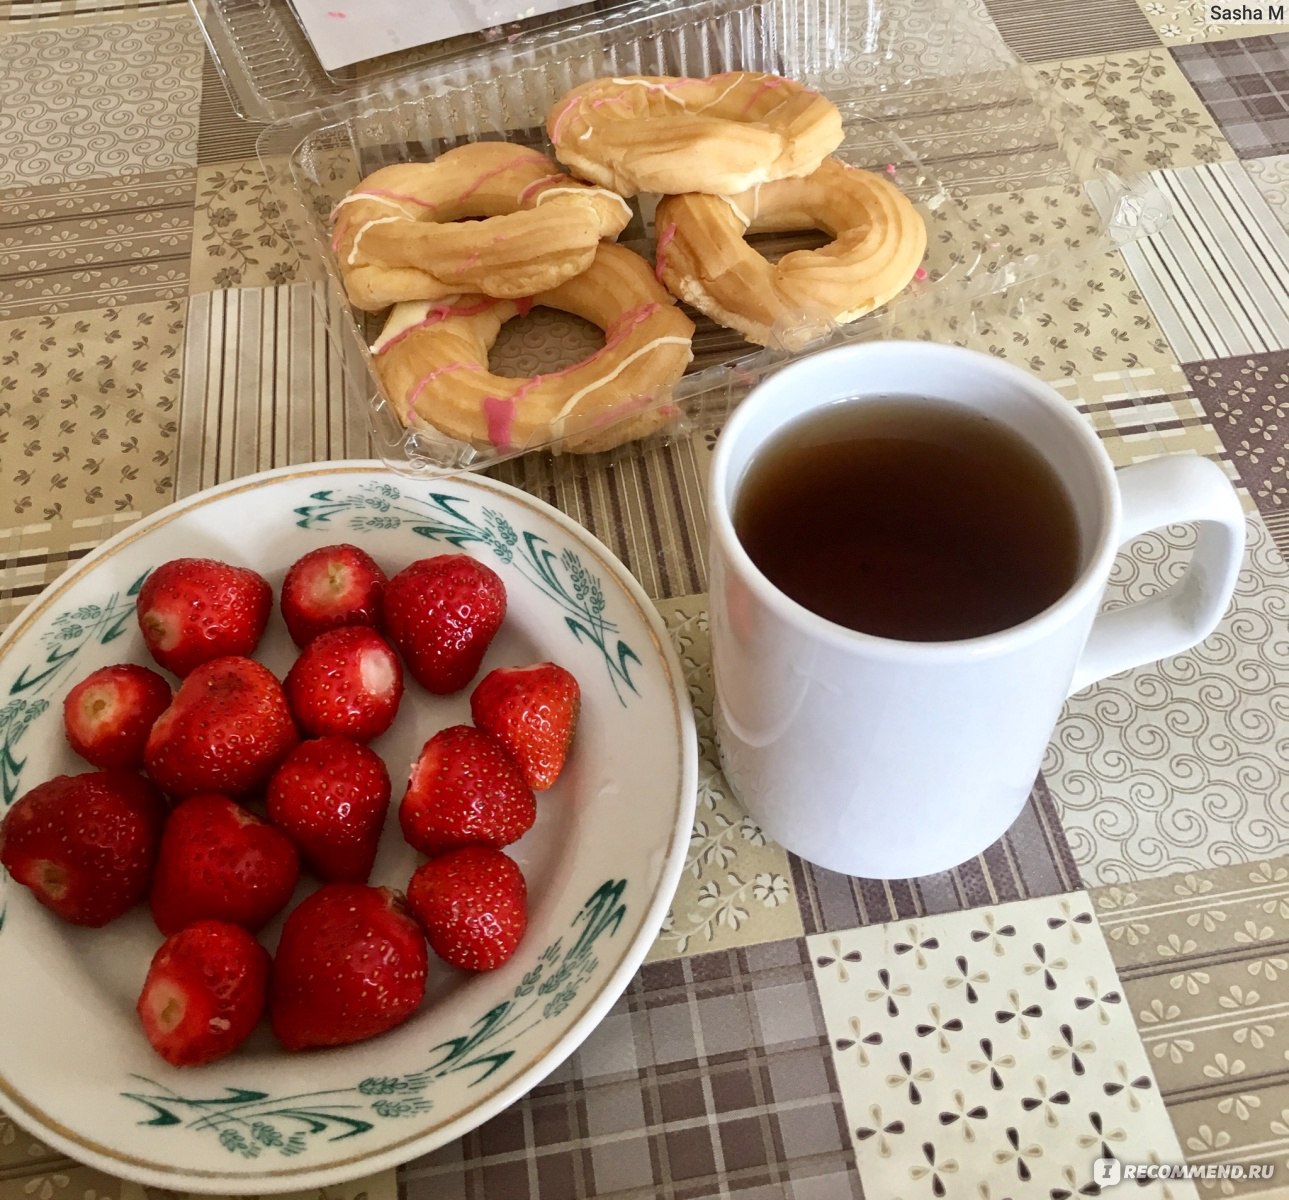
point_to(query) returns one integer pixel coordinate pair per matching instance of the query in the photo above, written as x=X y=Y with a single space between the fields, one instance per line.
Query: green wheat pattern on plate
x=250 y=1122
x=442 y=517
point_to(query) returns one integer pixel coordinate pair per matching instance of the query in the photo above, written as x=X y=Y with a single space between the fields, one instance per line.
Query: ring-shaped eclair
x=720 y=135
x=433 y=362
x=399 y=235
x=879 y=239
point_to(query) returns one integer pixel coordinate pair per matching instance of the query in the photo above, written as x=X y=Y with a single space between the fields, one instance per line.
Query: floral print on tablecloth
x=240 y=238
x=737 y=887
x=1142 y=102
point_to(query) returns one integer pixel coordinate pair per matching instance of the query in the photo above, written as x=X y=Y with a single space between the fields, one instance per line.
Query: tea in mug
x=910 y=518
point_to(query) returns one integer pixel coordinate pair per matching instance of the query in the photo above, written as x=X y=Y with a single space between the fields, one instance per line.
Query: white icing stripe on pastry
x=650 y=87
x=721 y=97
x=582 y=191
x=358 y=237
x=572 y=402
x=404 y=317
x=743 y=218
x=374 y=199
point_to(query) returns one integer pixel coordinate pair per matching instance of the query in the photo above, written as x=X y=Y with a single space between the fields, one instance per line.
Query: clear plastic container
x=953 y=128
x=264 y=57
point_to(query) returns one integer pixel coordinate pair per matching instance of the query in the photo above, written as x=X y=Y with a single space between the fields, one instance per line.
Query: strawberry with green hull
x=226 y=731
x=346 y=682
x=85 y=845
x=351 y=964
x=464 y=789
x=220 y=862
x=205 y=993
x=532 y=712
x=331 y=587
x=472 y=904
x=108 y=715
x=331 y=796
x=441 y=615
x=193 y=610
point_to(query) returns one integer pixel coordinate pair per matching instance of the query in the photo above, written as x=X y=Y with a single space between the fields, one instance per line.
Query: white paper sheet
x=350 y=31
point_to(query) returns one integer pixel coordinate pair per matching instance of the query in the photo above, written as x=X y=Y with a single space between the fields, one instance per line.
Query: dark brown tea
x=908 y=518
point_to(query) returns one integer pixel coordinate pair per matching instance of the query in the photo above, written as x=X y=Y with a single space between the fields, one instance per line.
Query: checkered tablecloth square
x=711 y=1074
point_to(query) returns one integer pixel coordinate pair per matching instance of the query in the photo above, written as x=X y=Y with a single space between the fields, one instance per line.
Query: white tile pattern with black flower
x=989 y=1054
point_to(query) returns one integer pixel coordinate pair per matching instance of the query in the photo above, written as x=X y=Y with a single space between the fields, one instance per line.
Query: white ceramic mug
x=890 y=759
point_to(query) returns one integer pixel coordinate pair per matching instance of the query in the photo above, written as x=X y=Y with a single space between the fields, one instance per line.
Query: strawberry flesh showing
x=472 y=904
x=108 y=715
x=85 y=844
x=226 y=731
x=347 y=682
x=465 y=790
x=331 y=587
x=331 y=796
x=532 y=712
x=220 y=862
x=441 y=613
x=205 y=993
x=193 y=610
x=351 y=964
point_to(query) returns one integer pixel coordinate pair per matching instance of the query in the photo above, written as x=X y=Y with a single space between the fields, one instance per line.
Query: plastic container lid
x=272 y=74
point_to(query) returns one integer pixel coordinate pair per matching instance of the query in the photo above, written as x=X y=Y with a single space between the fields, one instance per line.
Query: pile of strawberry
x=246 y=779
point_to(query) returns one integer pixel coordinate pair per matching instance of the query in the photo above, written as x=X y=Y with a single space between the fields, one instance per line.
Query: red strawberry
x=347 y=682
x=192 y=610
x=227 y=730
x=219 y=862
x=204 y=994
x=108 y=715
x=472 y=904
x=441 y=613
x=85 y=844
x=532 y=711
x=331 y=796
x=330 y=587
x=351 y=963
x=465 y=790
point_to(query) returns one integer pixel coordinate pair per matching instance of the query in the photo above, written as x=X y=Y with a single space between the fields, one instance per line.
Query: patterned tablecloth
x=1112 y=977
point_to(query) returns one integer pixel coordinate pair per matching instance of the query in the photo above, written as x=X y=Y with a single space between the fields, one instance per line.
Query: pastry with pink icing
x=433 y=362
x=719 y=136
x=879 y=239
x=399 y=235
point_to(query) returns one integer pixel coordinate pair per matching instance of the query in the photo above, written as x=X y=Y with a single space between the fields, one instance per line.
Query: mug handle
x=1174 y=489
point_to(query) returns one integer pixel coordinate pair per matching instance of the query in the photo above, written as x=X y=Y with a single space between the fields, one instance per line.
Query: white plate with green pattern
x=602 y=861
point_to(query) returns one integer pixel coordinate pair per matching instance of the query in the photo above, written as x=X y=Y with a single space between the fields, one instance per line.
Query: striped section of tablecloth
x=262 y=388
x=1071 y=28
x=1209 y=276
